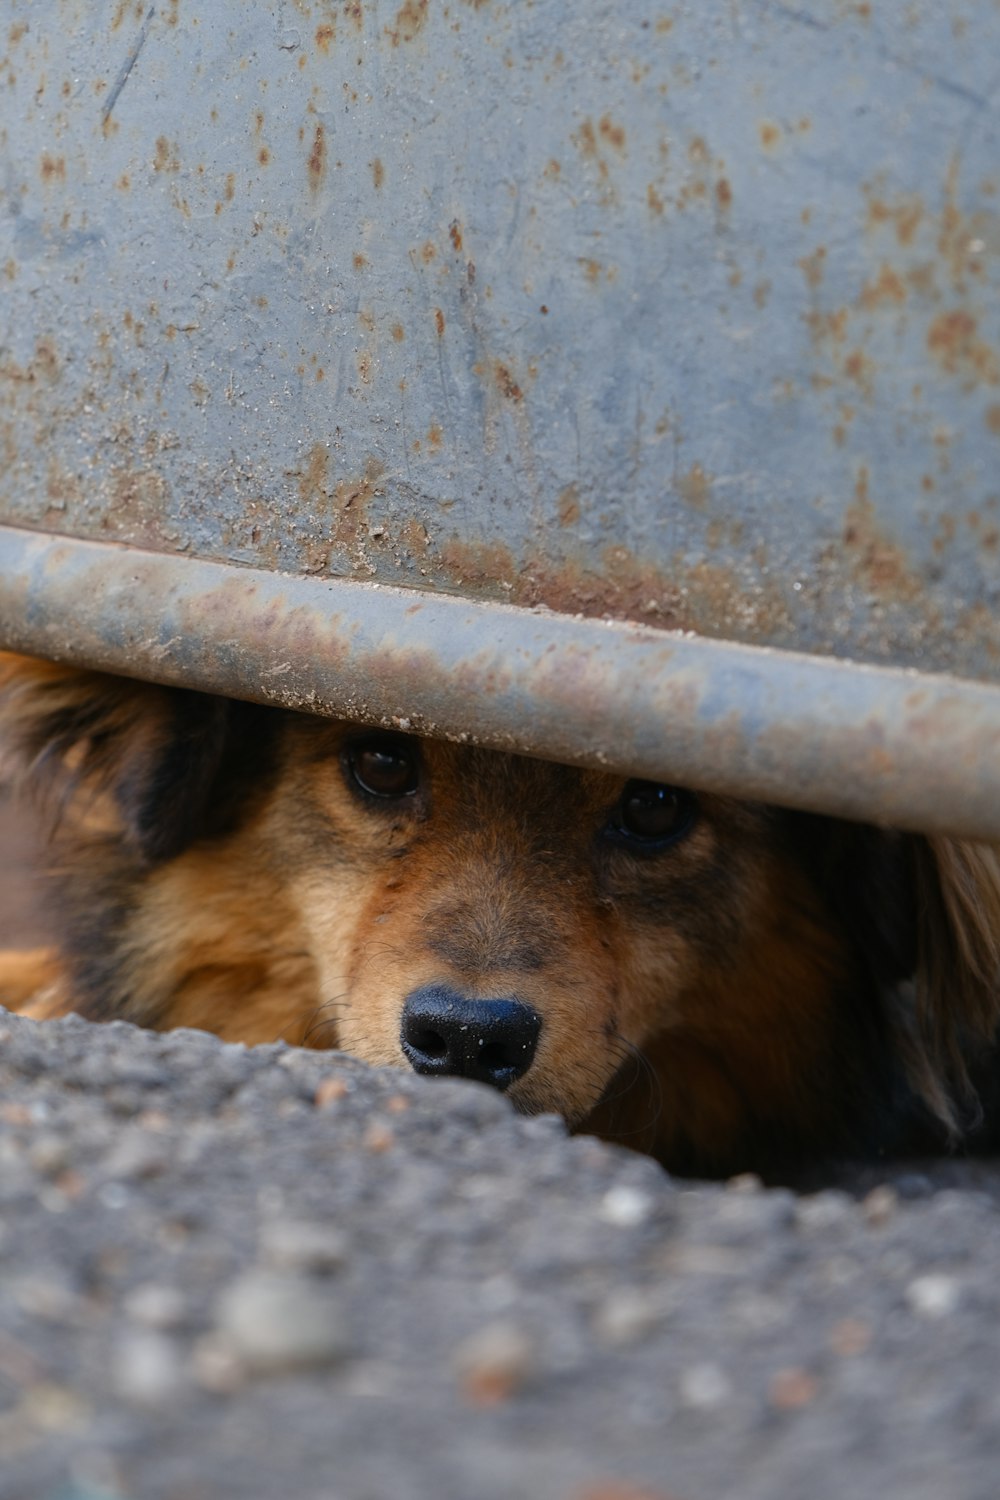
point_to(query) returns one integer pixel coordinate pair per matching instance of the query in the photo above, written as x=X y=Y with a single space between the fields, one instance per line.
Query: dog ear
x=156 y=750
x=865 y=877
x=922 y=913
x=957 y=887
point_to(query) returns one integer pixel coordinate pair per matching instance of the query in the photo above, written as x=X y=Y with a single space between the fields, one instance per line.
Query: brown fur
x=768 y=989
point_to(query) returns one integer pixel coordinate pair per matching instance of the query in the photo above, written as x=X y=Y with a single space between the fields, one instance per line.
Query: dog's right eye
x=384 y=766
x=650 y=816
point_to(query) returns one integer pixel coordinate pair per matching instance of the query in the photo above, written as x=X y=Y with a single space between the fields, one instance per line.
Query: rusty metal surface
x=920 y=751
x=687 y=312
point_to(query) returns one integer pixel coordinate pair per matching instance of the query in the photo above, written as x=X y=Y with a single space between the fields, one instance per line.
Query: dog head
x=721 y=983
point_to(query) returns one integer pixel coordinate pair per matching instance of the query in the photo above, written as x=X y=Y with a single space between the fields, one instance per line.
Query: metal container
x=372 y=357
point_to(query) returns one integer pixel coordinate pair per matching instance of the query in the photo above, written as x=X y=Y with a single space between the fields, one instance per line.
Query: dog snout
x=444 y=1032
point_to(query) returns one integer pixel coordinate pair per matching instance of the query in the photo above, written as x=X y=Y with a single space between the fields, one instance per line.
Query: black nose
x=491 y=1040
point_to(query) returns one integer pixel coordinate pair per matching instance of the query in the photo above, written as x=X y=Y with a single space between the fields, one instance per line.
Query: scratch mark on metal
x=936 y=80
x=946 y=85
x=799 y=17
x=127 y=66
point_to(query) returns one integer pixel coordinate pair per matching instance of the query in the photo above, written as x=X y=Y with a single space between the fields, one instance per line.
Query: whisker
x=643 y=1071
x=321 y=1017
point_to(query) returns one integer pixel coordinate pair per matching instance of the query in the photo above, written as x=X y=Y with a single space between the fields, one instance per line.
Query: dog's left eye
x=649 y=816
x=384 y=766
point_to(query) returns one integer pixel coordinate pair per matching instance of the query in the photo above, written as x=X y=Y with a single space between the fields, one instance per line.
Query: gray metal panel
x=687 y=312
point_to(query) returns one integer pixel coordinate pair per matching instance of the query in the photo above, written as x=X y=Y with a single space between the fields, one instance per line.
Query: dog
x=728 y=986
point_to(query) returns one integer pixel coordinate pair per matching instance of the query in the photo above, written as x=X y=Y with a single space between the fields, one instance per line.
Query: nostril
x=430 y=1043
x=495 y=1055
x=444 y=1032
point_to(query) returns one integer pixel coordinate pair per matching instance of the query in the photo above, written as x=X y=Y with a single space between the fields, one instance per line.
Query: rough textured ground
x=260 y=1273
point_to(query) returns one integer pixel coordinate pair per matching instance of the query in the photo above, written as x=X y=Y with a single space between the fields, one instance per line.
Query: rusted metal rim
x=912 y=749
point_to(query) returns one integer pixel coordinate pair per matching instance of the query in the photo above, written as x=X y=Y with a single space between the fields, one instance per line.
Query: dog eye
x=384 y=767
x=650 y=816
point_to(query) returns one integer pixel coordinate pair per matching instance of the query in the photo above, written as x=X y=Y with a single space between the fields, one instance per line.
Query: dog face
x=529 y=924
x=712 y=981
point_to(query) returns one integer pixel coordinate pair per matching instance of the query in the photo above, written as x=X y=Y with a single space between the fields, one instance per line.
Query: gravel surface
x=266 y=1273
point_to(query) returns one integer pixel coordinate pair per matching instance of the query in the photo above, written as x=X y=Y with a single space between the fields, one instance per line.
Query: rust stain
x=378 y=173
x=813 y=267
x=724 y=194
x=654 y=201
x=962 y=237
x=695 y=486
x=410 y=20
x=569 y=506
x=45 y=365
x=706 y=597
x=398 y=332
x=359 y=261
x=879 y=563
x=486 y=565
x=354 y=12
x=62 y=489
x=993 y=419
x=326 y=34
x=346 y=501
x=167 y=157
x=505 y=382
x=612 y=133
x=903 y=215
x=439 y=322
x=264 y=156
x=585 y=139
x=455 y=235
x=769 y=133
x=953 y=341
x=888 y=287
x=316 y=164
x=53 y=168
x=594 y=270
x=859 y=368
x=589 y=146
x=435 y=437
x=828 y=326
x=122 y=10
x=313 y=479
x=352 y=499
x=135 y=506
